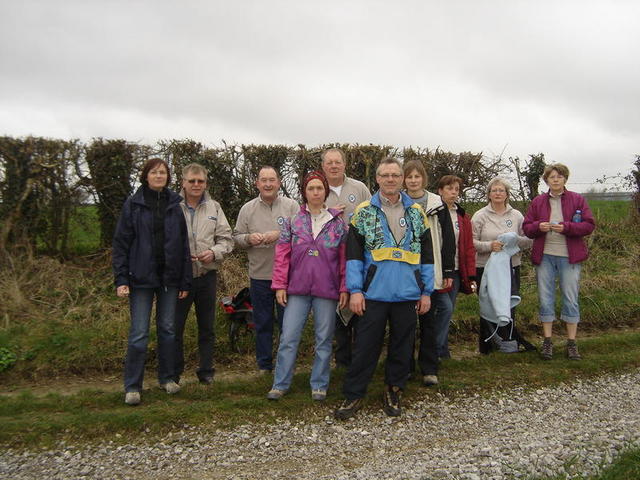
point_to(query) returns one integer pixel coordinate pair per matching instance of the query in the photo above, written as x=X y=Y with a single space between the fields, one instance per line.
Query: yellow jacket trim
x=396 y=255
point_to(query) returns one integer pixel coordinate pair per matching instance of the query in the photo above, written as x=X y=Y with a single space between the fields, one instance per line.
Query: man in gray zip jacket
x=210 y=240
x=257 y=230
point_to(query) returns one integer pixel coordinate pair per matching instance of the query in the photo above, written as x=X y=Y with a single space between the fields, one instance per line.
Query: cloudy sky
x=501 y=77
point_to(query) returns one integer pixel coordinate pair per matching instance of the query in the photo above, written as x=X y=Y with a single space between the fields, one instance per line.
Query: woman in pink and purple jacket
x=558 y=221
x=309 y=274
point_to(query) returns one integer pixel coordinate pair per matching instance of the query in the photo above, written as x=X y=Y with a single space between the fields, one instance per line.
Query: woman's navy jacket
x=134 y=263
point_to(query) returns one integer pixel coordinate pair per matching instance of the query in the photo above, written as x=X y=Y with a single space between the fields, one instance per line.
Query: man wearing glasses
x=390 y=277
x=210 y=240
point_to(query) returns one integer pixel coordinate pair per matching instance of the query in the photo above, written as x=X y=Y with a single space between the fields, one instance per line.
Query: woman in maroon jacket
x=449 y=188
x=558 y=221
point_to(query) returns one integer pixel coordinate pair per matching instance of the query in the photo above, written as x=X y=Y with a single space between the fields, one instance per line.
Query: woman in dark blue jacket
x=151 y=258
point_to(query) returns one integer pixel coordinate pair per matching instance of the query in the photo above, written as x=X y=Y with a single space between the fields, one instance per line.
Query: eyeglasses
x=498 y=190
x=387 y=176
x=196 y=180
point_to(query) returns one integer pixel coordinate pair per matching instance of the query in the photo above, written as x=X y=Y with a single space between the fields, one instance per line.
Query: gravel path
x=565 y=429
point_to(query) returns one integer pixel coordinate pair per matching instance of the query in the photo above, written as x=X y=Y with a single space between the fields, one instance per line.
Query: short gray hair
x=389 y=161
x=502 y=181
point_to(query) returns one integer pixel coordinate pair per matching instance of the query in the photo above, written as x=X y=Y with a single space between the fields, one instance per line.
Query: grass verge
x=39 y=421
x=626 y=466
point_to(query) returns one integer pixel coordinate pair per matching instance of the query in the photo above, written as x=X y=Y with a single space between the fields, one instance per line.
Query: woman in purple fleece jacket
x=309 y=274
x=557 y=221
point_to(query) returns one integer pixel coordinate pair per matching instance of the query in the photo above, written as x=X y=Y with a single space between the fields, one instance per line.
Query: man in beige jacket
x=210 y=240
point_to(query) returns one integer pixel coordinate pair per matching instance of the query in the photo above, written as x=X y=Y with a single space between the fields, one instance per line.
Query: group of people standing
x=360 y=263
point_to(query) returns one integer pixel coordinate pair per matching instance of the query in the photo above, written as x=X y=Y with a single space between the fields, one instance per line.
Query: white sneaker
x=428 y=380
x=132 y=398
x=318 y=395
x=171 y=387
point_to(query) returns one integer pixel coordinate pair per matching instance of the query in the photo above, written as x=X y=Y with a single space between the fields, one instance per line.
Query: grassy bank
x=30 y=421
x=58 y=317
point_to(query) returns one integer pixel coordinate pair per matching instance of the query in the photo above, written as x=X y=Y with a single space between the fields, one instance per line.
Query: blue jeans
x=443 y=305
x=550 y=268
x=295 y=317
x=140 y=303
x=263 y=300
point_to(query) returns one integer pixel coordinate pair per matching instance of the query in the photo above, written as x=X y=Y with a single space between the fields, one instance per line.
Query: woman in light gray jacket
x=496 y=218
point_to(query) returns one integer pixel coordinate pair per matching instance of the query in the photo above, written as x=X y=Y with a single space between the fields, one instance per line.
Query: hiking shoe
x=171 y=387
x=208 y=380
x=348 y=409
x=132 y=398
x=318 y=395
x=429 y=380
x=275 y=394
x=547 y=350
x=391 y=401
x=572 y=351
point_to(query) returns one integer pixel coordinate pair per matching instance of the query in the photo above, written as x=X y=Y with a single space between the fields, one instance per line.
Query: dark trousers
x=203 y=294
x=344 y=335
x=428 y=348
x=369 y=332
x=263 y=300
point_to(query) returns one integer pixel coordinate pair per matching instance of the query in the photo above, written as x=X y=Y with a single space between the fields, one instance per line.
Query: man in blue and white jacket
x=389 y=276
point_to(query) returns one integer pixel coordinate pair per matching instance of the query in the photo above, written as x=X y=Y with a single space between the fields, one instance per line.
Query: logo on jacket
x=352 y=198
x=313 y=253
x=396 y=254
x=403 y=222
x=509 y=223
x=211 y=217
x=280 y=220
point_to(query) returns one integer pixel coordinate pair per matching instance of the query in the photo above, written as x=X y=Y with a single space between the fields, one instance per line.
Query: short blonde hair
x=499 y=181
x=331 y=150
x=558 y=167
x=194 y=168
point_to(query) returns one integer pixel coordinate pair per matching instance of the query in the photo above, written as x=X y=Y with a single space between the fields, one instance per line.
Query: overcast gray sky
x=519 y=77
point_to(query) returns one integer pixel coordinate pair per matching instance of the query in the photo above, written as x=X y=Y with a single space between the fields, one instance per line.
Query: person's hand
x=423 y=305
x=281 y=297
x=447 y=283
x=122 y=291
x=557 y=227
x=544 y=227
x=271 y=237
x=340 y=207
x=206 y=257
x=496 y=246
x=256 y=239
x=357 y=304
x=344 y=300
x=183 y=294
x=474 y=286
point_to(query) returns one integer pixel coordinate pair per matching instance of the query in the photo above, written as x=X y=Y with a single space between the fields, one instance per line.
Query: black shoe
x=208 y=380
x=348 y=409
x=547 y=350
x=391 y=401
